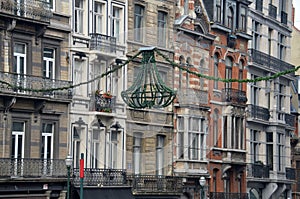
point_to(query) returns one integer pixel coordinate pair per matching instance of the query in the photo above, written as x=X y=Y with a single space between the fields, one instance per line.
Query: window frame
x=79 y=17
x=139 y=17
x=162 y=28
x=99 y=14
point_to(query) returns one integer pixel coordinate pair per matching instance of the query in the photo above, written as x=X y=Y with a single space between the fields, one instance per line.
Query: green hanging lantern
x=148 y=90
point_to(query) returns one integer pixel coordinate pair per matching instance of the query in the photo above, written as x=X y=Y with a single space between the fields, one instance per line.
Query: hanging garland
x=22 y=88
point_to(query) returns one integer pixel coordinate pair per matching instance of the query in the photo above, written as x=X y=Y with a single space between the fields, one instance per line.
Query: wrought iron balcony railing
x=223 y=195
x=192 y=96
x=290 y=173
x=290 y=119
x=101 y=177
x=272 y=11
x=270 y=61
x=33 y=9
x=33 y=85
x=234 y=96
x=155 y=184
x=103 y=43
x=104 y=103
x=32 y=168
x=257 y=170
x=284 y=17
x=258 y=112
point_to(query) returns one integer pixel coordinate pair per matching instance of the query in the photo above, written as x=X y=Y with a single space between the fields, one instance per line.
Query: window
x=49 y=63
x=196 y=139
x=281 y=97
x=216 y=70
x=228 y=71
x=218 y=11
x=270 y=31
x=17 y=146
x=243 y=19
x=116 y=23
x=19 y=58
x=256 y=35
x=137 y=145
x=230 y=15
x=254 y=91
x=160 y=154
x=281 y=46
x=161 y=28
x=241 y=70
x=237 y=138
x=79 y=11
x=76 y=146
x=269 y=154
x=51 y=4
x=254 y=145
x=47 y=141
x=259 y=5
x=180 y=138
x=138 y=23
x=281 y=151
x=215 y=126
x=95 y=148
x=225 y=132
x=181 y=63
x=113 y=149
x=99 y=18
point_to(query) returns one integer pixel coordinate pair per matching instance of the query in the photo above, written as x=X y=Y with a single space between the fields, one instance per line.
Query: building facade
x=34 y=115
x=270 y=124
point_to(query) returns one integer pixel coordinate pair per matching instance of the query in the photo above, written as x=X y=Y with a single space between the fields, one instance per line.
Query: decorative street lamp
x=69 y=162
x=202 y=183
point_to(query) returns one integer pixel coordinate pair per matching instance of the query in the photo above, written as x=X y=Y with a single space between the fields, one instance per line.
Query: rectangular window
x=76 y=146
x=113 y=149
x=137 y=145
x=254 y=145
x=281 y=46
x=19 y=64
x=259 y=5
x=218 y=11
x=281 y=97
x=269 y=154
x=161 y=28
x=116 y=23
x=47 y=147
x=180 y=138
x=196 y=139
x=216 y=70
x=254 y=91
x=99 y=18
x=225 y=132
x=49 y=63
x=256 y=35
x=243 y=19
x=51 y=4
x=17 y=146
x=160 y=154
x=138 y=23
x=281 y=151
x=79 y=11
x=270 y=41
x=96 y=148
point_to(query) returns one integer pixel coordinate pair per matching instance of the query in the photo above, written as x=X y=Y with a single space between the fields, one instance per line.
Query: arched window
x=230 y=15
x=216 y=70
x=228 y=71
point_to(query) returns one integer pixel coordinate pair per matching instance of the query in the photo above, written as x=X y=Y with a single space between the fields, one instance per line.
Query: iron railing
x=259 y=5
x=104 y=103
x=290 y=119
x=192 y=96
x=270 y=61
x=257 y=170
x=35 y=86
x=155 y=184
x=234 y=96
x=223 y=195
x=290 y=173
x=103 y=43
x=272 y=11
x=284 y=17
x=33 y=9
x=101 y=177
x=32 y=168
x=258 y=112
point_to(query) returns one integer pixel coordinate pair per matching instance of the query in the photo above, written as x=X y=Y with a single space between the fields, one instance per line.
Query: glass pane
x=19 y=48
x=47 y=128
x=18 y=126
x=114 y=136
x=49 y=147
x=43 y=147
x=48 y=53
x=20 y=146
x=13 y=146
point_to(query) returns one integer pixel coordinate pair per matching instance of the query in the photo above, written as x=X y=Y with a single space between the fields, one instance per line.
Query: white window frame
x=280 y=142
x=46 y=65
x=197 y=128
x=47 y=161
x=18 y=160
x=51 y=4
x=76 y=146
x=160 y=154
x=99 y=17
x=117 y=33
x=78 y=17
x=96 y=149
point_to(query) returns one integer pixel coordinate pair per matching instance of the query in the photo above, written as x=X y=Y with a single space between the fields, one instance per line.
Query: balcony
x=154 y=184
x=284 y=17
x=104 y=103
x=290 y=120
x=272 y=11
x=103 y=43
x=223 y=195
x=270 y=61
x=34 y=86
x=192 y=96
x=31 y=9
x=258 y=170
x=258 y=112
x=290 y=173
x=101 y=177
x=234 y=96
x=32 y=168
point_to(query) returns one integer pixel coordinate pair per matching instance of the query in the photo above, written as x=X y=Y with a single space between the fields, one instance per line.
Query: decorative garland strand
x=227 y=80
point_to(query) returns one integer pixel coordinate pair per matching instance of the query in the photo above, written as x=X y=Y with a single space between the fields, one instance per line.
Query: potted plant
x=107 y=94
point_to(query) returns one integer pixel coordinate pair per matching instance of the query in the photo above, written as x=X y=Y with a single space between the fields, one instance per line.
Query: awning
x=105 y=193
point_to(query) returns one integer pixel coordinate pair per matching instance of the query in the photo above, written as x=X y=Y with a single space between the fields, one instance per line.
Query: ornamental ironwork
x=103 y=43
x=148 y=90
x=33 y=9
